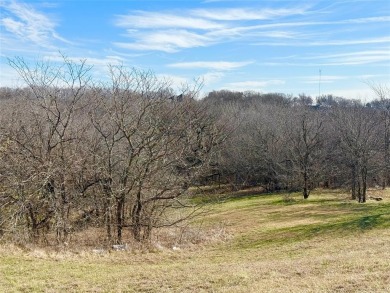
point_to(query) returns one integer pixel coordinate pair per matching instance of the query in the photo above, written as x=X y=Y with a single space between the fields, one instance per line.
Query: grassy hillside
x=265 y=243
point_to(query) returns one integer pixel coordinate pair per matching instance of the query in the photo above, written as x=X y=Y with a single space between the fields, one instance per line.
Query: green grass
x=250 y=243
x=325 y=215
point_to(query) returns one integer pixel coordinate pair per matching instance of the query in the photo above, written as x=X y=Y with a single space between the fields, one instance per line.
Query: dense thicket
x=123 y=155
x=296 y=144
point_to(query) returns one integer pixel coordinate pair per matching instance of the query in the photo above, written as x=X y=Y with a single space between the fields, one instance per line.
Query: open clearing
x=266 y=243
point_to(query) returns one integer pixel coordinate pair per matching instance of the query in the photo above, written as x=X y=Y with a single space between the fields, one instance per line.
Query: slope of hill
x=264 y=243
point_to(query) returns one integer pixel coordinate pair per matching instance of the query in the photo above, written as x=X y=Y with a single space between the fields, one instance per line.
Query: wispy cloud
x=27 y=24
x=215 y=65
x=254 y=84
x=352 y=42
x=212 y=77
x=366 y=20
x=175 y=81
x=285 y=28
x=219 y=42
x=151 y=20
x=324 y=78
x=99 y=66
x=379 y=56
x=166 y=40
x=246 y=13
x=362 y=93
x=379 y=40
x=183 y=29
x=170 y=32
x=179 y=83
x=9 y=78
x=354 y=58
x=105 y=61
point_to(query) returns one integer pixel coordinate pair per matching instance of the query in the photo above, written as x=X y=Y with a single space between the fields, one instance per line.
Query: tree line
x=124 y=155
x=291 y=143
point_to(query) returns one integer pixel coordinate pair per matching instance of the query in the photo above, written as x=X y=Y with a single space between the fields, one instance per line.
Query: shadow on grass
x=230 y=197
x=297 y=199
x=345 y=226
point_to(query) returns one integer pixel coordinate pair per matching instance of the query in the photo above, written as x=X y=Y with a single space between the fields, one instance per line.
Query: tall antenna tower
x=319 y=84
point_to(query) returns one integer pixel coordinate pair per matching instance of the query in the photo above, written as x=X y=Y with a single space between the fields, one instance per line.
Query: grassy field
x=265 y=243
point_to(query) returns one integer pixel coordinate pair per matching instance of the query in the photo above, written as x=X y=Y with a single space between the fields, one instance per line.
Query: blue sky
x=266 y=46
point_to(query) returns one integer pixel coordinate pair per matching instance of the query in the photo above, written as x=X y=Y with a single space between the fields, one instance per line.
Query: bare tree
x=151 y=149
x=42 y=136
x=124 y=154
x=356 y=131
x=382 y=91
x=304 y=133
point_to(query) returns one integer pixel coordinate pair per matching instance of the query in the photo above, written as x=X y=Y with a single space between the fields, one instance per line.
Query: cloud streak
x=151 y=20
x=324 y=79
x=168 y=32
x=172 y=32
x=235 y=14
x=354 y=58
x=169 y=41
x=99 y=62
x=28 y=25
x=229 y=44
x=254 y=84
x=214 y=65
x=379 y=40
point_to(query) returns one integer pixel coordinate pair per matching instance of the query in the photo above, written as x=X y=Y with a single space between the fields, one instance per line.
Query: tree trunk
x=120 y=205
x=306 y=190
x=362 y=198
x=359 y=189
x=107 y=208
x=386 y=154
x=136 y=219
x=34 y=225
x=108 y=218
x=354 y=182
x=62 y=226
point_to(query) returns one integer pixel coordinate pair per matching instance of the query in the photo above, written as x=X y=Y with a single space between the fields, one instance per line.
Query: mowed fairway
x=266 y=243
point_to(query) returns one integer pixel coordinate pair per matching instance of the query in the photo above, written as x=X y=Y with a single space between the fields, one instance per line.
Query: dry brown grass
x=254 y=244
